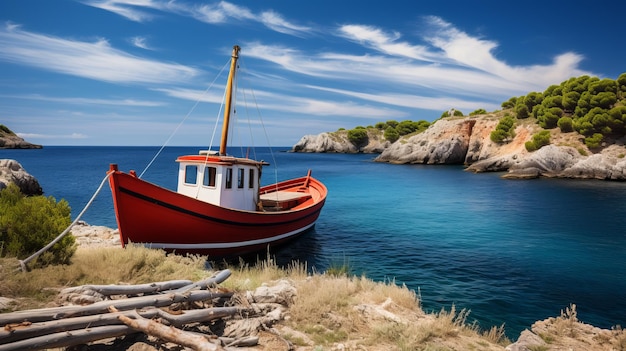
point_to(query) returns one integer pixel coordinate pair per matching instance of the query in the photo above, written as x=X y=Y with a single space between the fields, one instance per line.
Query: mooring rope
x=67 y=230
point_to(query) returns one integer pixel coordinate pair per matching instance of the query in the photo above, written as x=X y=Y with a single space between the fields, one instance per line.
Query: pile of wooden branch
x=161 y=310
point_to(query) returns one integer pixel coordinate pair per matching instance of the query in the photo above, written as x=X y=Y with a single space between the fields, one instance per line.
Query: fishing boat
x=219 y=207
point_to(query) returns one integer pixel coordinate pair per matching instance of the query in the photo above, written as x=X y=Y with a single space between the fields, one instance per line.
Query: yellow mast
x=229 y=92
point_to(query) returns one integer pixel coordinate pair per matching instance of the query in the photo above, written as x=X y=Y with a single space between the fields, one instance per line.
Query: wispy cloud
x=51 y=136
x=438 y=103
x=214 y=13
x=88 y=101
x=131 y=9
x=270 y=101
x=141 y=42
x=94 y=60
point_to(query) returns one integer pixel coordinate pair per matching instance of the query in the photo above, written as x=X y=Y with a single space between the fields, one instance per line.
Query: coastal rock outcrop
x=338 y=142
x=9 y=140
x=12 y=171
x=445 y=142
x=324 y=142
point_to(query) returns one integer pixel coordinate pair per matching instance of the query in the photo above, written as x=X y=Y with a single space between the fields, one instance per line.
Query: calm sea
x=512 y=252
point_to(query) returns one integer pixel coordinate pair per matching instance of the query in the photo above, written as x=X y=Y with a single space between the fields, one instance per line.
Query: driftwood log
x=170 y=334
x=156 y=309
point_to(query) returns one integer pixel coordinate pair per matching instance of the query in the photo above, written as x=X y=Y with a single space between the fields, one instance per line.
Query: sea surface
x=511 y=251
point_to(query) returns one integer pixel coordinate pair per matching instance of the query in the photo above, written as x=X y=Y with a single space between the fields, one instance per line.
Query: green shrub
x=566 y=124
x=480 y=111
x=504 y=130
x=392 y=123
x=510 y=103
x=6 y=129
x=538 y=141
x=451 y=112
x=29 y=223
x=358 y=136
x=594 y=141
x=522 y=111
x=391 y=134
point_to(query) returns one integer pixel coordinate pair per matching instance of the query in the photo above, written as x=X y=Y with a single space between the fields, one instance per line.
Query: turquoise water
x=512 y=252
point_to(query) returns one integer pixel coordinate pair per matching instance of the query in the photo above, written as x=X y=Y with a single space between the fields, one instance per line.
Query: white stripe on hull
x=208 y=246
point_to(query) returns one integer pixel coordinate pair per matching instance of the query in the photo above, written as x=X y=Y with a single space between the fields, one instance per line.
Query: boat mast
x=229 y=95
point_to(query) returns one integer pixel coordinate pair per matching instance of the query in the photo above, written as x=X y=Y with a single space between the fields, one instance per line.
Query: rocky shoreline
x=467 y=141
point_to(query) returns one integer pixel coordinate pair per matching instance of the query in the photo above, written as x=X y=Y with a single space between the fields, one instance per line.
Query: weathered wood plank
x=109 y=290
x=170 y=334
x=65 y=339
x=210 y=282
x=48 y=314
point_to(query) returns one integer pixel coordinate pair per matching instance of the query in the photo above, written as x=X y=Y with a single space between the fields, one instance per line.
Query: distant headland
x=10 y=140
x=573 y=130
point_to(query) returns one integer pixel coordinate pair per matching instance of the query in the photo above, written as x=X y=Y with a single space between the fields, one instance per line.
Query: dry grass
x=133 y=265
x=363 y=314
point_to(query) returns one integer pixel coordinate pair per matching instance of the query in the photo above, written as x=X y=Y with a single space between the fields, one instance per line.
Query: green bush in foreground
x=29 y=223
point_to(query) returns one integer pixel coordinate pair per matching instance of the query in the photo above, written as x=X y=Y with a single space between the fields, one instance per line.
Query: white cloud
x=216 y=13
x=94 y=60
x=88 y=101
x=377 y=39
x=140 y=42
x=126 y=8
x=51 y=136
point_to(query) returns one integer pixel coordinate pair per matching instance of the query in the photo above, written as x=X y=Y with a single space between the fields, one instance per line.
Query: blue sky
x=130 y=72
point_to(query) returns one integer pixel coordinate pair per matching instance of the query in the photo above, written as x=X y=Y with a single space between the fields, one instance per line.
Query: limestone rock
x=12 y=171
x=445 y=142
x=527 y=341
x=324 y=142
x=548 y=161
x=282 y=293
x=338 y=142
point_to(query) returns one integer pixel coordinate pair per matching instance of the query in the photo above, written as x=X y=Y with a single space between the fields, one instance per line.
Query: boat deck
x=282 y=200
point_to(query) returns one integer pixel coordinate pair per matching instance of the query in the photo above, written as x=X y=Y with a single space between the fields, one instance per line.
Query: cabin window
x=251 y=179
x=240 y=176
x=229 y=178
x=191 y=174
x=209 y=176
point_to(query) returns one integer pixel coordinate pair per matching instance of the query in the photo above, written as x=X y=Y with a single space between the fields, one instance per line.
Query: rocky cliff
x=466 y=140
x=12 y=171
x=9 y=140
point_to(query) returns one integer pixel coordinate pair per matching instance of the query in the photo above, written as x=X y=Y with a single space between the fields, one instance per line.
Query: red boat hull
x=160 y=218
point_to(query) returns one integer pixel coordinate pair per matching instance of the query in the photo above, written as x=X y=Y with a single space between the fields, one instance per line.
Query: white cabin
x=223 y=181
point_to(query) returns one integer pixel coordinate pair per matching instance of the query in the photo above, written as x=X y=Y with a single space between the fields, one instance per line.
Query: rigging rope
x=183 y=121
x=67 y=230
x=262 y=126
